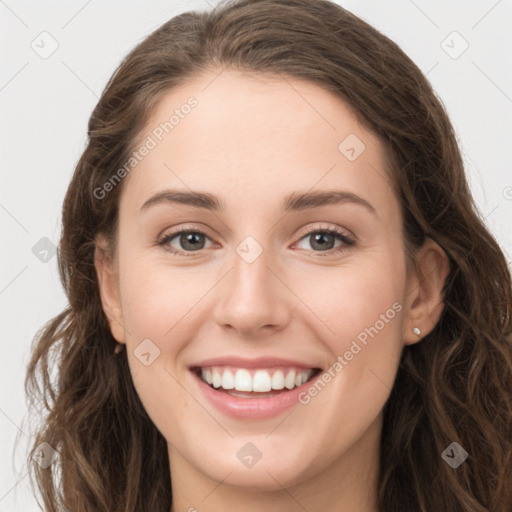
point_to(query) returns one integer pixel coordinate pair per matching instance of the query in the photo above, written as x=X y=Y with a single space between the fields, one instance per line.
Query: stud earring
x=416 y=331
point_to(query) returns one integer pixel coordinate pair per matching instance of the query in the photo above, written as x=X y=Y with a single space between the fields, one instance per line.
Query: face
x=289 y=280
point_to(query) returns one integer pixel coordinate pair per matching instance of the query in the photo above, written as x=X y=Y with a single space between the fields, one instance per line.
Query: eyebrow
x=296 y=201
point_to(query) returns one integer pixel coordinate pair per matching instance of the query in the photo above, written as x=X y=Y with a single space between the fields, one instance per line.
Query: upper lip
x=260 y=362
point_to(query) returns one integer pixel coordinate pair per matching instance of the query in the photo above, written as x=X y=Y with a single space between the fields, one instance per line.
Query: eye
x=323 y=239
x=191 y=241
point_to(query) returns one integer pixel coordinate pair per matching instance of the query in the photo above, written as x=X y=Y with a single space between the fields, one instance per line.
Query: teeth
x=228 y=381
x=278 y=380
x=260 y=381
x=289 y=381
x=243 y=380
x=217 y=379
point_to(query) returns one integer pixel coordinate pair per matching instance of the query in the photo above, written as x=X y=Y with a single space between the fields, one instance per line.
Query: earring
x=416 y=331
x=118 y=348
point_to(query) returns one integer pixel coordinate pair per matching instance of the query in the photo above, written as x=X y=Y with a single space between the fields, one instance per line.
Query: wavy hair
x=454 y=385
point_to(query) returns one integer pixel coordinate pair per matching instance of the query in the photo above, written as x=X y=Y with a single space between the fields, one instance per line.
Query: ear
x=108 y=287
x=424 y=300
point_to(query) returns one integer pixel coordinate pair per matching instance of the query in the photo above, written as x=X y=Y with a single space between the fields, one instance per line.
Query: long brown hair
x=453 y=386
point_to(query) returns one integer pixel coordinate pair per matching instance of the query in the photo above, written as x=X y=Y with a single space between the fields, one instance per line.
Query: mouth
x=254 y=383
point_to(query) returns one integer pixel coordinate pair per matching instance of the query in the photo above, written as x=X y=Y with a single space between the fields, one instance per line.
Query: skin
x=251 y=140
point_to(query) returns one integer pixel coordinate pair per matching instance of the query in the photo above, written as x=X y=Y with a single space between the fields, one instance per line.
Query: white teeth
x=243 y=380
x=228 y=381
x=262 y=381
x=217 y=379
x=289 y=381
x=278 y=380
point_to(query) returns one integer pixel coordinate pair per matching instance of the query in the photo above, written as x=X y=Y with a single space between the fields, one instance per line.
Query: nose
x=253 y=299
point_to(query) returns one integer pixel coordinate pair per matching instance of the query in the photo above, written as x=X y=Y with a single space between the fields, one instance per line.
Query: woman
x=218 y=353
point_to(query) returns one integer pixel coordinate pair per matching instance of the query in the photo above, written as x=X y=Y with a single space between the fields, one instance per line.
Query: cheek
x=362 y=296
x=363 y=311
x=157 y=297
x=368 y=306
x=156 y=302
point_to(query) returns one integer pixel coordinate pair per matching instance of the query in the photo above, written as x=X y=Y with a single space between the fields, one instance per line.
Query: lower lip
x=253 y=408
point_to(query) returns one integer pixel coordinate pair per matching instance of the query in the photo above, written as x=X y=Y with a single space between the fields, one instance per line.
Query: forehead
x=256 y=137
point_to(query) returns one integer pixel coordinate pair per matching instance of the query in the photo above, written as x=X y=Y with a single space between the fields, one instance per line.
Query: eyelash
x=347 y=241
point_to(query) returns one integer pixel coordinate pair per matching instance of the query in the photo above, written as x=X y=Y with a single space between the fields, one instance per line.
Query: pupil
x=318 y=239
x=190 y=238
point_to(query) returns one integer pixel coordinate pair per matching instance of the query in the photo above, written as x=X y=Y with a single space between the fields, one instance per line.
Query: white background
x=45 y=105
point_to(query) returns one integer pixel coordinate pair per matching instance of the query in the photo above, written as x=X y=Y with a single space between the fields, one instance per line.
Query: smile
x=255 y=380
x=255 y=389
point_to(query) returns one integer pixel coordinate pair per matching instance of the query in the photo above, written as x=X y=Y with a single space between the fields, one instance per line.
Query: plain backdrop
x=46 y=100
